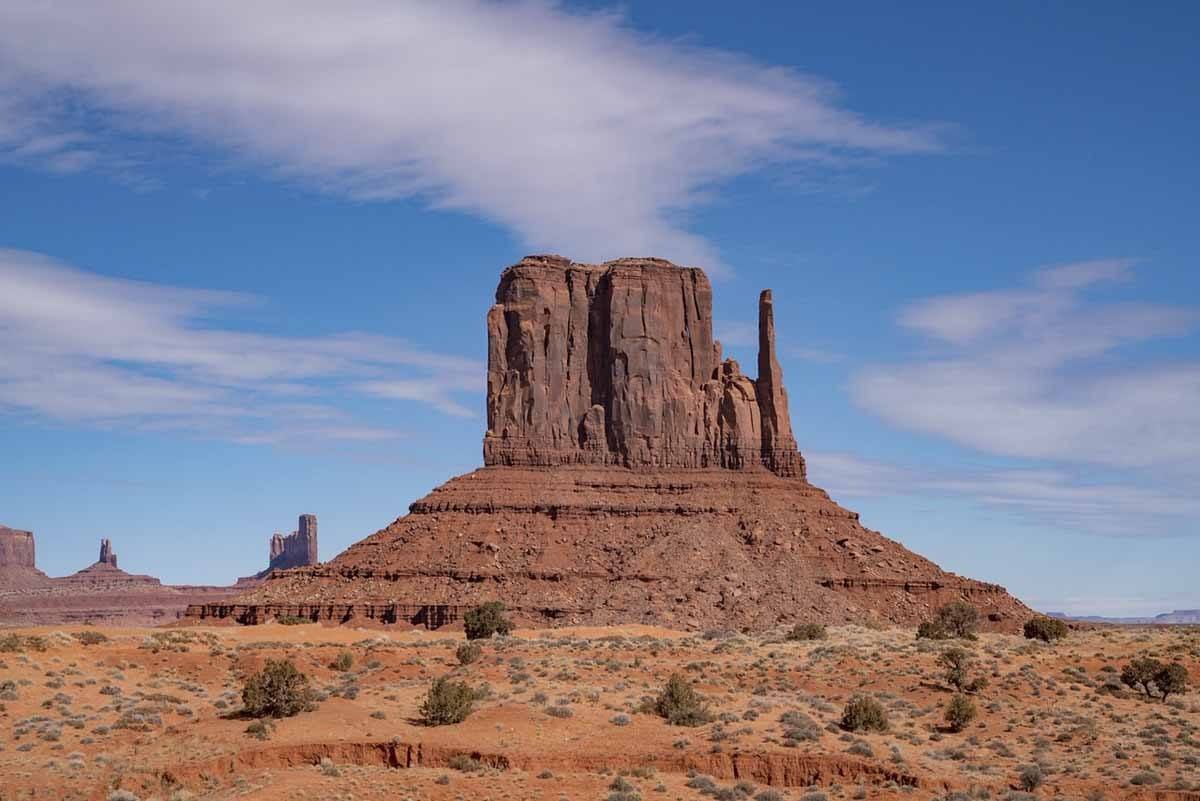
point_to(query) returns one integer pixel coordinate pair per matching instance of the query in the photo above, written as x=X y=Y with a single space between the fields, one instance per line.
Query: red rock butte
x=632 y=475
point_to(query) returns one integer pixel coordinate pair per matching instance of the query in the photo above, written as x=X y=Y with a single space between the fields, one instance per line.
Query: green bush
x=292 y=620
x=960 y=712
x=344 y=661
x=959 y=662
x=864 y=713
x=679 y=704
x=931 y=630
x=1030 y=778
x=447 y=702
x=468 y=653
x=1139 y=674
x=1046 y=629
x=1171 y=679
x=959 y=619
x=807 y=631
x=486 y=620
x=89 y=637
x=279 y=690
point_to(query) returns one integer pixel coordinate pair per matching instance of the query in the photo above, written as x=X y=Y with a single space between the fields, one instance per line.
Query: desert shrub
x=122 y=795
x=89 y=637
x=464 y=763
x=292 y=620
x=344 y=661
x=680 y=704
x=931 y=630
x=958 y=663
x=259 y=729
x=1143 y=777
x=1046 y=629
x=864 y=713
x=559 y=711
x=807 y=631
x=958 y=619
x=486 y=620
x=960 y=712
x=469 y=652
x=447 y=702
x=279 y=690
x=1030 y=777
x=799 y=726
x=861 y=748
x=1139 y=674
x=20 y=643
x=621 y=785
x=1171 y=679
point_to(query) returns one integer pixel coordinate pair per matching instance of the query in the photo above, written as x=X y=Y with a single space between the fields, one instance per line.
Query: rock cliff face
x=297 y=549
x=615 y=364
x=16 y=548
x=631 y=475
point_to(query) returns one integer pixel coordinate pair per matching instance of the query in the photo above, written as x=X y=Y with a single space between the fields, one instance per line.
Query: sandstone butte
x=631 y=475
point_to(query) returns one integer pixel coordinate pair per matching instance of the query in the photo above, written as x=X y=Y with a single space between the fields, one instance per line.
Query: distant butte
x=632 y=475
x=100 y=593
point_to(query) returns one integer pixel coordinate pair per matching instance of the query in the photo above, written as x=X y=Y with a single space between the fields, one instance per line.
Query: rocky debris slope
x=631 y=475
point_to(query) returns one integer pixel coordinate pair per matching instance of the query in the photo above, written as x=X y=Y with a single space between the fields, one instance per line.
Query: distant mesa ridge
x=631 y=474
x=99 y=593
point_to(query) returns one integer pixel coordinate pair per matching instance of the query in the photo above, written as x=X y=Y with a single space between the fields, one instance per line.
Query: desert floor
x=153 y=714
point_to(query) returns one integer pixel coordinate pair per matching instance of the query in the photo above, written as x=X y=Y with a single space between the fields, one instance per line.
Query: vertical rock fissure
x=651 y=391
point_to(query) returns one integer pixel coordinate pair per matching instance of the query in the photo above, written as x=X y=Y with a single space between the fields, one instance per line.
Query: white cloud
x=426 y=390
x=83 y=347
x=1068 y=499
x=572 y=129
x=1045 y=373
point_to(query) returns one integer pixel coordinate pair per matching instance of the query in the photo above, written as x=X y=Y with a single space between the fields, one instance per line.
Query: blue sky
x=245 y=255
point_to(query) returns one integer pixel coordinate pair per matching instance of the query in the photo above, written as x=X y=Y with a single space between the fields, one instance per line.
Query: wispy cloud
x=87 y=348
x=1067 y=499
x=1104 y=431
x=1043 y=372
x=574 y=130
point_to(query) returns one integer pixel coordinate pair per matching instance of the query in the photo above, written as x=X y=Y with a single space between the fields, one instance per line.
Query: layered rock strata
x=631 y=475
